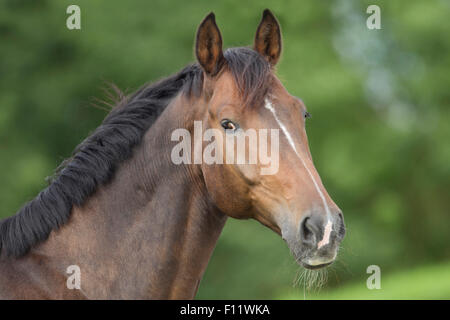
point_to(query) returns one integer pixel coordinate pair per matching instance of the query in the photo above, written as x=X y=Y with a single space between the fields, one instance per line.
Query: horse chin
x=313 y=262
x=316 y=263
x=311 y=259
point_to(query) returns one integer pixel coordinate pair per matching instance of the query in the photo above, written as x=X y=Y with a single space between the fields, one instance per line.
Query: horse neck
x=151 y=231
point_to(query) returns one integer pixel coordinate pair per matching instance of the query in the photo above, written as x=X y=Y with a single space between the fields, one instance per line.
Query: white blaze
x=326 y=235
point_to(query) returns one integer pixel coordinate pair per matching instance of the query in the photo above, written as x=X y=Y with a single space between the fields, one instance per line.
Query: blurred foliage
x=379 y=133
x=418 y=283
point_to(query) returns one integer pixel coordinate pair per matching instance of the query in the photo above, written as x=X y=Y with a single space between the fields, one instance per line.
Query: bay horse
x=139 y=226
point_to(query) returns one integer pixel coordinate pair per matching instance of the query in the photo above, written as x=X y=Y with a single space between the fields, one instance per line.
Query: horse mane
x=94 y=161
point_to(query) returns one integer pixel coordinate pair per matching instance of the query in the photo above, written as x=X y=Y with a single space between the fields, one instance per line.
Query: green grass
x=426 y=282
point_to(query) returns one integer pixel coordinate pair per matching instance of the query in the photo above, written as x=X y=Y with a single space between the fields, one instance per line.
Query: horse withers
x=135 y=224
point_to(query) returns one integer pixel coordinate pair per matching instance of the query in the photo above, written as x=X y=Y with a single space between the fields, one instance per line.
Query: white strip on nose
x=328 y=227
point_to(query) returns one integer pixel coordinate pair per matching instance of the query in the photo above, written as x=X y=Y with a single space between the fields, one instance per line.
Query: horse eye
x=229 y=125
x=307 y=115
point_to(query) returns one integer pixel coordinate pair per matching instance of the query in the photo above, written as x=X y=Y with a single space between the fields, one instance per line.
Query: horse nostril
x=308 y=232
x=341 y=229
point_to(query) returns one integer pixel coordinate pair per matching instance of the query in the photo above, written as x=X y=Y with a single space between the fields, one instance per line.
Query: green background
x=379 y=133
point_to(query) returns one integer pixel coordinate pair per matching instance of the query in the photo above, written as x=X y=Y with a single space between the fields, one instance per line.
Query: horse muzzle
x=316 y=243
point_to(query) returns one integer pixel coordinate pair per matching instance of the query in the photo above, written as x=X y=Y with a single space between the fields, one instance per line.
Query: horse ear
x=268 y=38
x=208 y=46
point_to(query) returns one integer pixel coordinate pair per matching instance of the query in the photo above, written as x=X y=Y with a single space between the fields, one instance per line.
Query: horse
x=121 y=220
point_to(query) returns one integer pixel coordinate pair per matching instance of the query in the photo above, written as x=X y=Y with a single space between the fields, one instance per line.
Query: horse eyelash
x=307 y=115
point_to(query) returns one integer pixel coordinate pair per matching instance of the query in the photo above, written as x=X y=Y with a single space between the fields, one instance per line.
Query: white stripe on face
x=326 y=236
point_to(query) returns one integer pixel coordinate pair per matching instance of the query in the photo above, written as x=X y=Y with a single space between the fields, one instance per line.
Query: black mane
x=96 y=159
